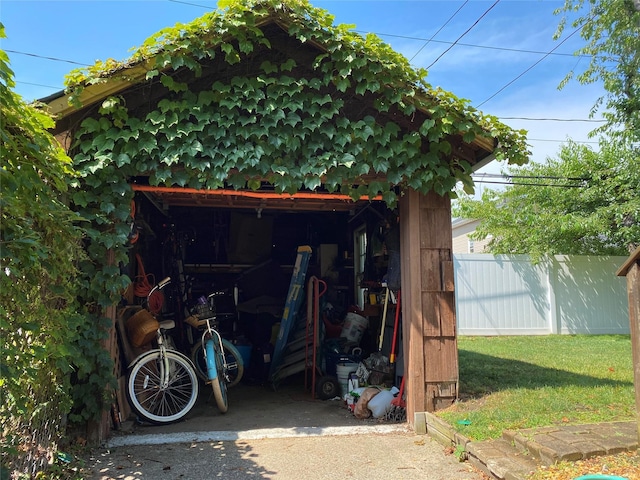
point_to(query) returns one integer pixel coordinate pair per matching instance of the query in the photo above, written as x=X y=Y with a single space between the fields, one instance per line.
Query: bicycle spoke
x=163 y=400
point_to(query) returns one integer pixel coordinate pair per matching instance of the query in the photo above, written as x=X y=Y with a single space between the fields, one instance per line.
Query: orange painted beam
x=250 y=194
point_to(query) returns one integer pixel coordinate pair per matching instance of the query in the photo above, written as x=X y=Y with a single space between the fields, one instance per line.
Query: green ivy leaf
x=312 y=182
x=426 y=126
x=122 y=159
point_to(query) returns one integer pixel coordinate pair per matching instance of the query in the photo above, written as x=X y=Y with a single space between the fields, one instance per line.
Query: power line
x=505 y=179
x=560 y=141
x=467 y=31
x=193 y=4
x=530 y=177
x=439 y=30
x=554 y=119
x=552 y=52
x=39 y=85
x=528 y=69
x=46 y=58
x=525 y=184
x=431 y=40
x=488 y=47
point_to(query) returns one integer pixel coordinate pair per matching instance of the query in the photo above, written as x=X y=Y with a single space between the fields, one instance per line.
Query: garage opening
x=237 y=252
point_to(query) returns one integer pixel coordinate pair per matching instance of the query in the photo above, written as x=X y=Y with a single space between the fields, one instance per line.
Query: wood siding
x=428 y=303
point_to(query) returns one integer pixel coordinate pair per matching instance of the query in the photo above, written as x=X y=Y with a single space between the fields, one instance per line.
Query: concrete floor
x=253 y=407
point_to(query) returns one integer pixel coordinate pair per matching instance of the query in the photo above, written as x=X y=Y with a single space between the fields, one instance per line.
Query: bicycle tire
x=235 y=363
x=159 y=404
x=218 y=383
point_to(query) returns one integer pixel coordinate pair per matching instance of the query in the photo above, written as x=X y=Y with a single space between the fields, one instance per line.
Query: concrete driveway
x=273 y=434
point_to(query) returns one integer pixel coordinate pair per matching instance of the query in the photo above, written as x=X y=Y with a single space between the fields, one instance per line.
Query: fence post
x=551 y=266
x=631 y=270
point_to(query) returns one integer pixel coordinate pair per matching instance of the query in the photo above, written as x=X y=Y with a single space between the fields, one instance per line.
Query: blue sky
x=502 y=41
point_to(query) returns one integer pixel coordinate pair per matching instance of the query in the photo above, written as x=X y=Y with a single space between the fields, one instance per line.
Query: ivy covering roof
x=271 y=92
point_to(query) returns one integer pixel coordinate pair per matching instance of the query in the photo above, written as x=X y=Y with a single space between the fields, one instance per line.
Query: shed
x=262 y=126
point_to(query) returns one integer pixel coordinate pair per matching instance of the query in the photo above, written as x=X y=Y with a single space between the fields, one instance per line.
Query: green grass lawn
x=530 y=381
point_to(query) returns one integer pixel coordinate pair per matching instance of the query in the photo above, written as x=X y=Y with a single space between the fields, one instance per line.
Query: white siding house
x=461 y=229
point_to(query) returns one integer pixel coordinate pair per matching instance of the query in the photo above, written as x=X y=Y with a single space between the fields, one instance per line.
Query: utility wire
x=39 y=85
x=554 y=119
x=467 y=31
x=525 y=184
x=358 y=31
x=560 y=141
x=193 y=4
x=439 y=30
x=529 y=177
x=528 y=69
x=488 y=47
x=552 y=52
x=428 y=40
x=46 y=58
x=509 y=180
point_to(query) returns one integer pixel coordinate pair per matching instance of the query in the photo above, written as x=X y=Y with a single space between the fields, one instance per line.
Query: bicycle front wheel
x=235 y=364
x=162 y=388
x=215 y=361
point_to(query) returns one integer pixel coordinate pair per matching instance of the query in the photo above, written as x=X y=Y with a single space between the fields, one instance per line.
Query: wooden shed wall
x=428 y=302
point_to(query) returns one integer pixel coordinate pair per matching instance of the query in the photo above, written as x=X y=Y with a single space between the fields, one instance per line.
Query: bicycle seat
x=167 y=324
x=197 y=322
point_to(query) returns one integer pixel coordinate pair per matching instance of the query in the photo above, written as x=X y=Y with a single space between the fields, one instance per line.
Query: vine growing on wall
x=45 y=338
x=281 y=123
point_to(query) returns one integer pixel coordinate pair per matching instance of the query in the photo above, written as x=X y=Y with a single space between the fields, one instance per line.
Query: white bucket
x=343 y=370
x=354 y=327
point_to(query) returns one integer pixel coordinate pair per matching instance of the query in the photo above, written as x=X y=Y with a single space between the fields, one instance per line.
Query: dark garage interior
x=247 y=253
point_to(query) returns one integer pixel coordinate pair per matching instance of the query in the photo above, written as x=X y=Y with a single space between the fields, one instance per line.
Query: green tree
x=583 y=202
x=39 y=250
x=611 y=29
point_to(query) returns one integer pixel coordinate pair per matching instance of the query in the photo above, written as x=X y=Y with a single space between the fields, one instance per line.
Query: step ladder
x=292 y=305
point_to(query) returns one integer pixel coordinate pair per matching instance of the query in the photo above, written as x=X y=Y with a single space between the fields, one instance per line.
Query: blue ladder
x=294 y=298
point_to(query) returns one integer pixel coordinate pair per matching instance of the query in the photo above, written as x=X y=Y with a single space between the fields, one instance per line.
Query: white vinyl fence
x=507 y=295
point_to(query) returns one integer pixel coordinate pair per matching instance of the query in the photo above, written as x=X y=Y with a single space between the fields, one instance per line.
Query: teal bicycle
x=216 y=359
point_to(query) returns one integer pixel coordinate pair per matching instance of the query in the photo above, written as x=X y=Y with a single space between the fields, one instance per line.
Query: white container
x=381 y=403
x=354 y=327
x=343 y=370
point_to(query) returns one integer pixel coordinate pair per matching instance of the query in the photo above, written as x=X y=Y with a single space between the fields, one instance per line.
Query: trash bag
x=381 y=403
x=361 y=409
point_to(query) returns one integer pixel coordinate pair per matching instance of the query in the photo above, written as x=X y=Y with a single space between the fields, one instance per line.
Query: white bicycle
x=163 y=384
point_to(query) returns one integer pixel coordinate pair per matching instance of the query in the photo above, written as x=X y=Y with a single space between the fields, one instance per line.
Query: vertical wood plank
x=431 y=314
x=430 y=276
x=447 y=310
x=441 y=354
x=411 y=302
x=448 y=276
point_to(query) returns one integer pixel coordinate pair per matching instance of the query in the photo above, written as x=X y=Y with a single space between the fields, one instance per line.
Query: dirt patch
x=626 y=464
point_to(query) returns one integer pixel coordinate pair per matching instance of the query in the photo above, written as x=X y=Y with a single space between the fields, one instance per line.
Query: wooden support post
x=428 y=302
x=631 y=269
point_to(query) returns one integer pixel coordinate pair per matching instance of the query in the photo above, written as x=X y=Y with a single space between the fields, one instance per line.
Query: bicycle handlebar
x=163 y=283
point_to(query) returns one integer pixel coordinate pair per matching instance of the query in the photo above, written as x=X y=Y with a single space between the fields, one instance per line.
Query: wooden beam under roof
x=228 y=198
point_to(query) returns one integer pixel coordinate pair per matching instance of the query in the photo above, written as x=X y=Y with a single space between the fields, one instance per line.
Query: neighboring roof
x=461 y=222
